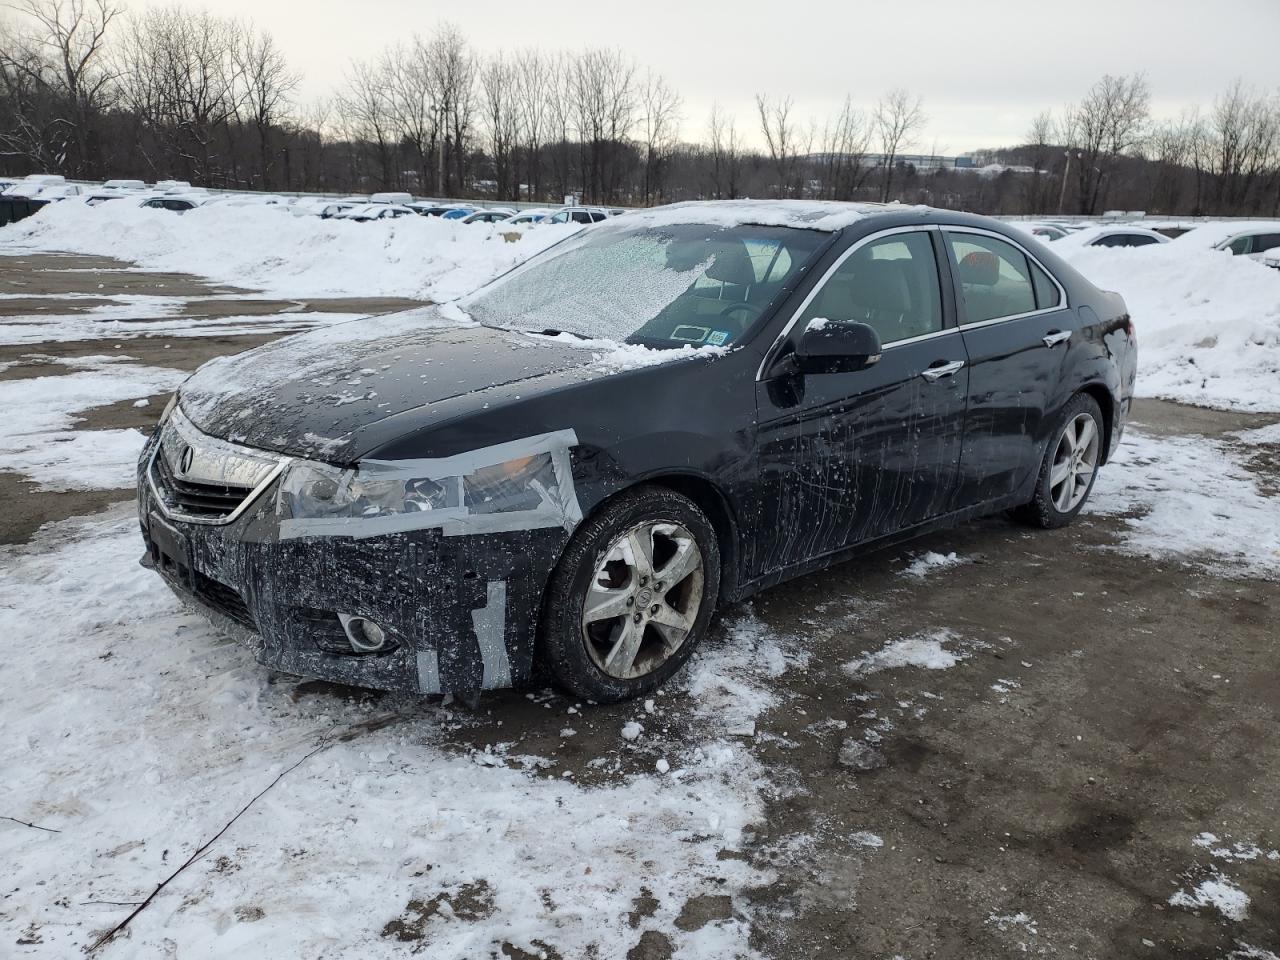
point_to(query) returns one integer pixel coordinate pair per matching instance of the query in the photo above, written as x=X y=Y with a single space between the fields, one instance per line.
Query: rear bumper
x=460 y=611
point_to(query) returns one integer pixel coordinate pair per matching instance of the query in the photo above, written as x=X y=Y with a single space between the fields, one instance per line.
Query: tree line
x=91 y=91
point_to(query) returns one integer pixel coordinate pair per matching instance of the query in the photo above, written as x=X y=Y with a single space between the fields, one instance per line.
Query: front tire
x=1070 y=466
x=631 y=597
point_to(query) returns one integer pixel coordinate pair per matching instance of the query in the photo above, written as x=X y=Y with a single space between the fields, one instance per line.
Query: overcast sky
x=983 y=68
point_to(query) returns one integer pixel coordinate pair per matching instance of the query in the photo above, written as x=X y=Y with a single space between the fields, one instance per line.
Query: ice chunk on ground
x=1217 y=892
x=922 y=650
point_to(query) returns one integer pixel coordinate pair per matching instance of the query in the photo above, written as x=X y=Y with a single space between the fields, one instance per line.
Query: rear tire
x=1069 y=468
x=631 y=597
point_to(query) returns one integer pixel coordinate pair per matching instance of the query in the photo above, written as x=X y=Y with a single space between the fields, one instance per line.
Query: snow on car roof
x=1082 y=238
x=826 y=215
x=1215 y=232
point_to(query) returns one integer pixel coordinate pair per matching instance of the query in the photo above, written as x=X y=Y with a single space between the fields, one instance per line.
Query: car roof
x=824 y=215
x=1215 y=232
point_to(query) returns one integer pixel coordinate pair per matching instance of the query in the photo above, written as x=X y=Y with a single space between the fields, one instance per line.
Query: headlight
x=377 y=489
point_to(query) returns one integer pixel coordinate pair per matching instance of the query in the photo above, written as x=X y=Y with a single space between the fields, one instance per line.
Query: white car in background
x=1255 y=239
x=1111 y=235
x=489 y=215
x=527 y=218
x=576 y=215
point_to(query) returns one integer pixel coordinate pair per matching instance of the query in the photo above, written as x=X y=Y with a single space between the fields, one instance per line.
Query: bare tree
x=726 y=155
x=1243 y=134
x=899 y=118
x=782 y=136
x=501 y=121
x=533 y=80
x=660 y=125
x=53 y=68
x=269 y=84
x=1038 y=187
x=454 y=68
x=602 y=90
x=364 y=111
x=844 y=151
x=1108 y=123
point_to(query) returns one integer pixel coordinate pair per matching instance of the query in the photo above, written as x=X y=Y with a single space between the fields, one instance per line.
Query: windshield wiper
x=553 y=332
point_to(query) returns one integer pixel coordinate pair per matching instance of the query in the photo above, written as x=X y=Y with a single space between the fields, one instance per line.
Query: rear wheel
x=1070 y=466
x=631 y=597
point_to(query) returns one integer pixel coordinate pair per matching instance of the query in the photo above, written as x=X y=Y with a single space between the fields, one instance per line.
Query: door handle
x=941 y=370
x=1055 y=337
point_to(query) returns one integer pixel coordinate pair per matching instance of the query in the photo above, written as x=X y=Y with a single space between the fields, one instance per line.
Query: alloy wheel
x=643 y=599
x=1074 y=461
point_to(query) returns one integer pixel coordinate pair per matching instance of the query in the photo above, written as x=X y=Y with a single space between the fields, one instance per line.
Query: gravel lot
x=1109 y=700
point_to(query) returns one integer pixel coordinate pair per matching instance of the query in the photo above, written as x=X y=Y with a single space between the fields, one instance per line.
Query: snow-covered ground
x=386 y=820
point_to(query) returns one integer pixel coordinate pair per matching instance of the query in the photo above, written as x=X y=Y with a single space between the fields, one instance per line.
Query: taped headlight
x=469 y=493
x=312 y=491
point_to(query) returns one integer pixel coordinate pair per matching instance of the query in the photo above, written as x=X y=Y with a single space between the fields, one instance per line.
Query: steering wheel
x=742 y=313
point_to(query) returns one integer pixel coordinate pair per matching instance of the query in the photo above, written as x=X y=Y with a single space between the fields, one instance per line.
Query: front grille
x=223 y=599
x=204 y=501
x=202 y=479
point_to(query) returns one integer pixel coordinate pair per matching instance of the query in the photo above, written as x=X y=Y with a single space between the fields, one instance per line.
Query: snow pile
x=1217 y=892
x=930 y=560
x=924 y=650
x=1190 y=496
x=1208 y=323
x=266 y=248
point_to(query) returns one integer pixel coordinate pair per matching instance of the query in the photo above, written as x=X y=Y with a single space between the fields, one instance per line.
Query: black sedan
x=573 y=467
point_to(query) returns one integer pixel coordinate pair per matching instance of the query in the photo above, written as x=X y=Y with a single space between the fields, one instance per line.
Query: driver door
x=849 y=457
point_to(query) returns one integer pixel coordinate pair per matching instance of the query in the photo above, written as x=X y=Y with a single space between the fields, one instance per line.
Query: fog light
x=364 y=635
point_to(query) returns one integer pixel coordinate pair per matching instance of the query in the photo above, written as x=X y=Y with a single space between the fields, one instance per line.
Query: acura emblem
x=188 y=457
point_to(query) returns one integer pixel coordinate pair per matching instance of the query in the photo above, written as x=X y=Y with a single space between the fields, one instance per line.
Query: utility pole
x=1062 y=194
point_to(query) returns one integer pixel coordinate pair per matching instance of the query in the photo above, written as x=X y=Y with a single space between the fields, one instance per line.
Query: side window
x=1265 y=242
x=890 y=284
x=1240 y=246
x=995 y=277
x=1047 y=294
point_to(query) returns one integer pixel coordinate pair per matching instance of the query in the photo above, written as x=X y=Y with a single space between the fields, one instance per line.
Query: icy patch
x=1245 y=951
x=864 y=838
x=930 y=561
x=924 y=650
x=1006 y=922
x=1217 y=892
x=1193 y=498
x=1236 y=851
x=80 y=460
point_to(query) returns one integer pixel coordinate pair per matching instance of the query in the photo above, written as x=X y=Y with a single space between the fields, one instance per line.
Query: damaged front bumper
x=457 y=612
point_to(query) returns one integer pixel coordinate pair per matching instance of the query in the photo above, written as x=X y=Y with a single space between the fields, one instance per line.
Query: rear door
x=1017 y=330
x=849 y=457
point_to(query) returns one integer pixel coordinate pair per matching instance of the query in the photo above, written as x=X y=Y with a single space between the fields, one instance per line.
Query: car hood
x=312 y=395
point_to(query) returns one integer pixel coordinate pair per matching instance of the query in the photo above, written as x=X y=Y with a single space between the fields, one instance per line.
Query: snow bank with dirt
x=267 y=248
x=1208 y=323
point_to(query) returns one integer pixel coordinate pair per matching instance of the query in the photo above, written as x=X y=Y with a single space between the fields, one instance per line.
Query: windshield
x=670 y=286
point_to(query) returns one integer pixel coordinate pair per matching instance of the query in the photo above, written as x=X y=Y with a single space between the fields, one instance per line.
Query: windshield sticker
x=718 y=338
x=687 y=333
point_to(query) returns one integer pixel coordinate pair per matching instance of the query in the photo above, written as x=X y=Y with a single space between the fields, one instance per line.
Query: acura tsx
x=570 y=469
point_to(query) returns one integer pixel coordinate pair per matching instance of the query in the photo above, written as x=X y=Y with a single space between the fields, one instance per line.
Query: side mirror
x=836 y=346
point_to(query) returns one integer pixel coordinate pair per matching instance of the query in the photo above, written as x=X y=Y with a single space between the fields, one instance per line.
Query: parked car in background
x=1111 y=235
x=391 y=197
x=429 y=209
x=576 y=215
x=527 y=217
x=490 y=215
x=176 y=203
x=376 y=211
x=490 y=497
x=1241 y=238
